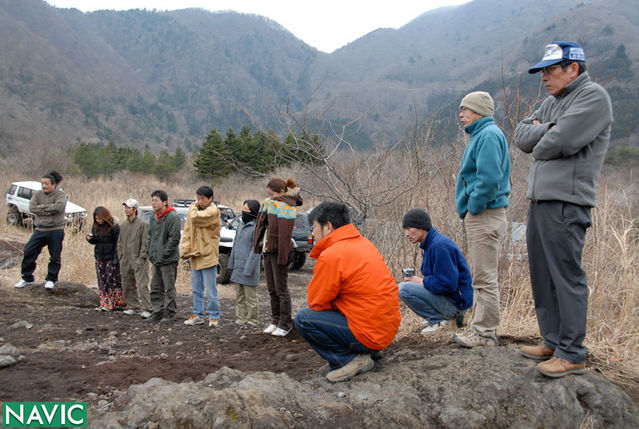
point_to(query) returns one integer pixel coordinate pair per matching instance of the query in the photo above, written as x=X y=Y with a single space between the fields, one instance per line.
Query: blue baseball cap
x=557 y=52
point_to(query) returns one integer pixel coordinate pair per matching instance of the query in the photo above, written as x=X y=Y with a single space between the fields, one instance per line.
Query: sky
x=326 y=25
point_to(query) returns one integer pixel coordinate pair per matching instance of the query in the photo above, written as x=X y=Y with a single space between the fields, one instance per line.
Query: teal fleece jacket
x=484 y=178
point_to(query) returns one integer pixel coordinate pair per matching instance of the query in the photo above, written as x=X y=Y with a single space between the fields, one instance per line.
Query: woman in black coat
x=104 y=235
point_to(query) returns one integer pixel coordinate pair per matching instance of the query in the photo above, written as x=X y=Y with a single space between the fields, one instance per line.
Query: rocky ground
x=56 y=347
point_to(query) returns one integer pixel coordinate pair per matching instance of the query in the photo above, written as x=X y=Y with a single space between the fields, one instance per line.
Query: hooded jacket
x=201 y=236
x=351 y=277
x=569 y=145
x=484 y=177
x=275 y=223
x=164 y=237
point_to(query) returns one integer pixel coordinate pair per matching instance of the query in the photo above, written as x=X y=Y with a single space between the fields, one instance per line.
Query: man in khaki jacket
x=134 y=261
x=200 y=244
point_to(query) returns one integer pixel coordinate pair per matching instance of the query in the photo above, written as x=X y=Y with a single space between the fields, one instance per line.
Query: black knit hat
x=253 y=205
x=417 y=218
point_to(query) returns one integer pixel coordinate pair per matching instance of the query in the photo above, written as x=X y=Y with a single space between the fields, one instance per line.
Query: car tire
x=299 y=258
x=13 y=217
x=223 y=272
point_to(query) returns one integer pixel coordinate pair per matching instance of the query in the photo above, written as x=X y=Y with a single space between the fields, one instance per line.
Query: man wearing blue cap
x=567 y=136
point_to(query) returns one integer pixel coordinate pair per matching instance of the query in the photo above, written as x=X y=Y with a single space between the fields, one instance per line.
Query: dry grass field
x=610 y=257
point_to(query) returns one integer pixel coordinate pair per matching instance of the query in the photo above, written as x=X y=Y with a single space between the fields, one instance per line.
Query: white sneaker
x=270 y=328
x=49 y=284
x=434 y=327
x=279 y=332
x=145 y=315
x=21 y=284
x=129 y=312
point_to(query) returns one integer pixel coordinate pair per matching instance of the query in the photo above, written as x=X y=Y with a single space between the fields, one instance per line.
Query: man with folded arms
x=568 y=137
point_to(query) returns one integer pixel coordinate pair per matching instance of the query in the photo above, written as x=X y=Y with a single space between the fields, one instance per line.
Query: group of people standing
x=353 y=300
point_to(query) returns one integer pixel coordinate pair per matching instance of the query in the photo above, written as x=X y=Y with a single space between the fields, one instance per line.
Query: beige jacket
x=201 y=236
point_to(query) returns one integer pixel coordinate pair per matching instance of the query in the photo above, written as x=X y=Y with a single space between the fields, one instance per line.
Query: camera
x=408 y=272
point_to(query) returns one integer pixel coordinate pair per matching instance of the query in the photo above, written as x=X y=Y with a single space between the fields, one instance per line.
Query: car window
x=301 y=221
x=12 y=189
x=25 y=193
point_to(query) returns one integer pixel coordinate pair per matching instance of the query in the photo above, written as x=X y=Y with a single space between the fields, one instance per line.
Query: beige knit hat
x=479 y=102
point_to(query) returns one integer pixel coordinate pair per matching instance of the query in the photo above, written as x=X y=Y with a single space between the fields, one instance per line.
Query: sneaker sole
x=564 y=373
x=369 y=366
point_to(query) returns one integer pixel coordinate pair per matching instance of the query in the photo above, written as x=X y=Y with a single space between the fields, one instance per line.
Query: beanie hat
x=253 y=205
x=479 y=102
x=417 y=218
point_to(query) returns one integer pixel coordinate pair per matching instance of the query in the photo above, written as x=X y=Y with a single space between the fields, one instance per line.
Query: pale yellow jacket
x=201 y=236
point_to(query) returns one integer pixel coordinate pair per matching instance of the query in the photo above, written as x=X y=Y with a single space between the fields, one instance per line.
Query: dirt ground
x=68 y=351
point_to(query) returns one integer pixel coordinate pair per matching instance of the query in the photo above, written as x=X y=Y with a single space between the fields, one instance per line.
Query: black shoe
x=377 y=355
x=168 y=319
x=459 y=319
x=155 y=318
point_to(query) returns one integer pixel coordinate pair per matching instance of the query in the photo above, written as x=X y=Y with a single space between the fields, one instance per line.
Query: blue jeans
x=200 y=278
x=327 y=332
x=434 y=308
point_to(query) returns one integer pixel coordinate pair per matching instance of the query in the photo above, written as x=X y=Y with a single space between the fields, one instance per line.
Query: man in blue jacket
x=483 y=187
x=445 y=290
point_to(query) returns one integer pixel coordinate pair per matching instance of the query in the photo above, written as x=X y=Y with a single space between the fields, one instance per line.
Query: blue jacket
x=484 y=178
x=445 y=270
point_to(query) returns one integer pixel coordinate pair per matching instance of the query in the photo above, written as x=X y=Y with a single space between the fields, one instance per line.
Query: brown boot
x=557 y=367
x=538 y=352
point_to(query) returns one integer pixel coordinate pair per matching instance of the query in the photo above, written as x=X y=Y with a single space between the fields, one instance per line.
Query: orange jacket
x=351 y=277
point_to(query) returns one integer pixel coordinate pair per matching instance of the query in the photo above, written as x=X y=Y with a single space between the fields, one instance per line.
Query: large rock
x=450 y=388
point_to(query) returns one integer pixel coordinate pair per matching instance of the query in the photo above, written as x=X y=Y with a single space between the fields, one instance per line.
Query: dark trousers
x=555 y=238
x=327 y=332
x=39 y=239
x=163 y=295
x=277 y=285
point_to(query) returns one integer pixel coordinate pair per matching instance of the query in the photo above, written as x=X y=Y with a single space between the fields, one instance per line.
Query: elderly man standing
x=483 y=187
x=568 y=137
x=134 y=266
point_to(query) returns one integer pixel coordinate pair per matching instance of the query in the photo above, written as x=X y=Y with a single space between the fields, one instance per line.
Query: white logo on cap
x=553 y=52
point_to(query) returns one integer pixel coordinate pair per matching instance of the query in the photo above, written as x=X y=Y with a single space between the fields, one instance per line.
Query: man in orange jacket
x=353 y=298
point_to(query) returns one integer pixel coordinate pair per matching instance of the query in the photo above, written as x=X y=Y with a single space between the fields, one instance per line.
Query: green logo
x=44 y=414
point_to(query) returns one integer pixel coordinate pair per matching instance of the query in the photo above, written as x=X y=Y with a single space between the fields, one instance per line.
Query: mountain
x=165 y=79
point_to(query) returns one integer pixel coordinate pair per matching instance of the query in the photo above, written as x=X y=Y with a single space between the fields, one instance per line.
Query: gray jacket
x=569 y=145
x=244 y=263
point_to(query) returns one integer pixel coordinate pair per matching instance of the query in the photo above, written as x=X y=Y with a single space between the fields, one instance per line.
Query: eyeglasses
x=547 y=70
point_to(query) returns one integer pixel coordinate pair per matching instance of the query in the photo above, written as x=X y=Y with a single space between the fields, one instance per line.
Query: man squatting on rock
x=353 y=301
x=568 y=137
x=445 y=291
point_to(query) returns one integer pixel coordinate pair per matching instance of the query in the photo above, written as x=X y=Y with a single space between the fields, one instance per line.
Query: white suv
x=18 y=197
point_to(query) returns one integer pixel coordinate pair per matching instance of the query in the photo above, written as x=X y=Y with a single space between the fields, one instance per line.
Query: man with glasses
x=567 y=136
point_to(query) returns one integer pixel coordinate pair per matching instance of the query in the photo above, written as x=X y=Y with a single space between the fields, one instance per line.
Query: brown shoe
x=538 y=352
x=557 y=367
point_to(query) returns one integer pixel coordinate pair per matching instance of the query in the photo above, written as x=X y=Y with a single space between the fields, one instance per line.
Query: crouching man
x=353 y=298
x=445 y=291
